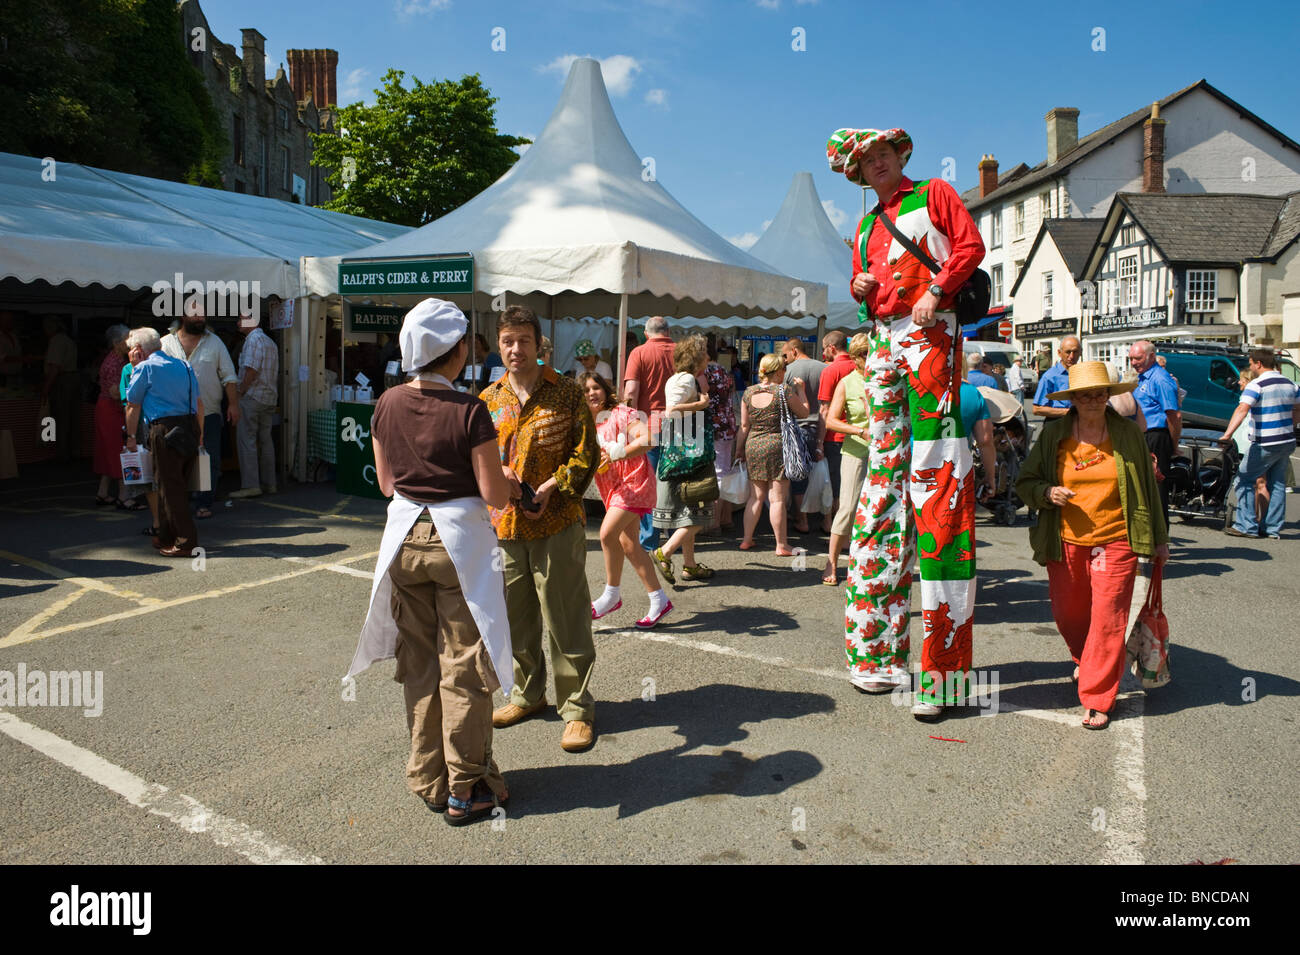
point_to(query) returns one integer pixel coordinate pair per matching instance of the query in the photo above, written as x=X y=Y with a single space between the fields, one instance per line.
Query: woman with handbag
x=1090 y=476
x=685 y=448
x=626 y=483
x=761 y=445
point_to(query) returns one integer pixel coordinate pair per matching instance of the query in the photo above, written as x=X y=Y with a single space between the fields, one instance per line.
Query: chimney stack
x=988 y=175
x=254 y=59
x=314 y=72
x=1153 y=152
x=1062 y=132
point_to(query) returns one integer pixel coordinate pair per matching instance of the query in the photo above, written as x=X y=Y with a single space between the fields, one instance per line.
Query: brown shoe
x=173 y=551
x=510 y=714
x=578 y=735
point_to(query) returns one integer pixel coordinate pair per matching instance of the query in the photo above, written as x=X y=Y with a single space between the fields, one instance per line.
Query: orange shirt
x=1093 y=516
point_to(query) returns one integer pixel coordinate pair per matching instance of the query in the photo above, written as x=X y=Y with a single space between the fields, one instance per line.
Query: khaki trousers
x=546 y=582
x=445 y=672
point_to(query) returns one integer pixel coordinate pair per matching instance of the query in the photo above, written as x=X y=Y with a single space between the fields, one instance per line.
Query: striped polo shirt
x=1270 y=398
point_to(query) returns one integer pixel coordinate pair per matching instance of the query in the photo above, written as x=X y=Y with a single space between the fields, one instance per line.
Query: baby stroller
x=1201 y=474
x=1011 y=441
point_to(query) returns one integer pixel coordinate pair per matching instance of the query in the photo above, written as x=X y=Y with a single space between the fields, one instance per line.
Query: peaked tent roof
x=97 y=227
x=579 y=218
x=802 y=242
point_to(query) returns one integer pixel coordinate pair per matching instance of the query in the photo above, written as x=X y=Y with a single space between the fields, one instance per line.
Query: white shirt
x=259 y=353
x=680 y=388
x=602 y=369
x=212 y=367
x=1015 y=378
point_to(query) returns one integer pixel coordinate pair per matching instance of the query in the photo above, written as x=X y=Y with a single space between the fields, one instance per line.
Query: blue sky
x=718 y=95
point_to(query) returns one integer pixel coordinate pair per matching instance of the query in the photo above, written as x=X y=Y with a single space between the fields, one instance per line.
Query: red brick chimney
x=988 y=175
x=314 y=72
x=1153 y=152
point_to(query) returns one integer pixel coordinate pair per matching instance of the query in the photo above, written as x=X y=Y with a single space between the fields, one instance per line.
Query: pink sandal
x=645 y=623
x=597 y=616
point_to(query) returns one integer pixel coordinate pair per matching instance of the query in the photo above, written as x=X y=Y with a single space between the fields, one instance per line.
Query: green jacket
x=1139 y=496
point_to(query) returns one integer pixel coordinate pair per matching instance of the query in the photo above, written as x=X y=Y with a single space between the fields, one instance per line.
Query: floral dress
x=763 y=444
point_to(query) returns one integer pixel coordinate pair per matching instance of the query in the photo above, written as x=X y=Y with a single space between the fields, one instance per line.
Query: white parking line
x=181 y=810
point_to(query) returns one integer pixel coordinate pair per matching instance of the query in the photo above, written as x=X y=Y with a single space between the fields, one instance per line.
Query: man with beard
x=196 y=345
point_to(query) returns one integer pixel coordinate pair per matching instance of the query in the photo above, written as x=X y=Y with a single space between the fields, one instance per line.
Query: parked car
x=1209 y=374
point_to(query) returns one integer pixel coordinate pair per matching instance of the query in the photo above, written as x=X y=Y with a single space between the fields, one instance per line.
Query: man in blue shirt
x=1057 y=378
x=166 y=392
x=1157 y=396
x=1272 y=404
x=975 y=373
x=978 y=424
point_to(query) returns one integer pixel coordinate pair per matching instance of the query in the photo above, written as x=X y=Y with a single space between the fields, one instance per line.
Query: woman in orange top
x=1090 y=474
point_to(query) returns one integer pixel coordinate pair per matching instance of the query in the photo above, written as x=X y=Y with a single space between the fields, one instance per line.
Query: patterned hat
x=846 y=146
x=584 y=348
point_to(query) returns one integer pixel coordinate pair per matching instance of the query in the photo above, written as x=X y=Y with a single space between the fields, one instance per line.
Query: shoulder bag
x=972 y=298
x=794 y=450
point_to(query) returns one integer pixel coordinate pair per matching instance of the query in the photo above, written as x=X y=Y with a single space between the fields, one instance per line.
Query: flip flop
x=105 y=501
x=830 y=581
x=1088 y=724
x=203 y=513
x=745 y=546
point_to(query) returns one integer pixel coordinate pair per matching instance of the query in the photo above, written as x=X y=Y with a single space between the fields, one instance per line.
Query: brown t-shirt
x=427 y=436
x=651 y=365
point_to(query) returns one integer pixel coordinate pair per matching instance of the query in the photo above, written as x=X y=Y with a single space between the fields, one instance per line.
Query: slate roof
x=1222 y=229
x=1074 y=239
x=1098 y=138
x=1287 y=228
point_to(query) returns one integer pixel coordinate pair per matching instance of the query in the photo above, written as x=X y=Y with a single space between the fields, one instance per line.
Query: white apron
x=465 y=530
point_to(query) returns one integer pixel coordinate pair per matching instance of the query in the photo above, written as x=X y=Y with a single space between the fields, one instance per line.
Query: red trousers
x=1091 y=588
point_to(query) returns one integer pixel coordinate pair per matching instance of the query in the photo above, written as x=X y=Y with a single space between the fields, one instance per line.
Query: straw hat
x=1087 y=375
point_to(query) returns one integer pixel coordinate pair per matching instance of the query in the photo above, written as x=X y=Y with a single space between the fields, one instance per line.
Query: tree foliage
x=416 y=154
x=106 y=83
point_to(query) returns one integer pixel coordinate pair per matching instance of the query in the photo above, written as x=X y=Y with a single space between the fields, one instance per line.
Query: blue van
x=1209 y=375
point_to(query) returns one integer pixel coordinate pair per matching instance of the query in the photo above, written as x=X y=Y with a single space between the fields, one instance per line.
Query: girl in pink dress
x=627 y=487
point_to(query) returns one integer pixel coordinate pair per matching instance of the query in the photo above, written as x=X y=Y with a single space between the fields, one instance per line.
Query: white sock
x=606 y=601
x=658 y=600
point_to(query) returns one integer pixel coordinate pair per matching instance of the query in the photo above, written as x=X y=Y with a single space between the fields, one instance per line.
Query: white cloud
x=657 y=98
x=769 y=4
x=619 y=70
x=353 y=85
x=413 y=8
x=837 y=215
x=743 y=241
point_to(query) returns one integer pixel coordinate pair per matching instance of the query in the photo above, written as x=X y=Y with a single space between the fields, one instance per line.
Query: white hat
x=429 y=331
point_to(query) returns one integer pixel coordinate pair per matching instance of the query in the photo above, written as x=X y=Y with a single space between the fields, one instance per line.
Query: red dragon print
x=913 y=278
x=882 y=505
x=930 y=376
x=946 y=645
x=942 y=511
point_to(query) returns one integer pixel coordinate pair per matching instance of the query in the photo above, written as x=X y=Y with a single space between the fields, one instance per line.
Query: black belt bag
x=181 y=438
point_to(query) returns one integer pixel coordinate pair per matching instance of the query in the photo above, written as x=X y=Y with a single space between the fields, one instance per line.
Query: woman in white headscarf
x=438 y=599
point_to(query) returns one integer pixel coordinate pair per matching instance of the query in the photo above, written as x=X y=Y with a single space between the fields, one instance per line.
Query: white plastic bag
x=201 y=479
x=734 y=484
x=817 y=499
x=137 y=467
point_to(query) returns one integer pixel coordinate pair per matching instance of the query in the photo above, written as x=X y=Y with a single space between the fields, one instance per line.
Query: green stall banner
x=375 y=318
x=355 y=452
x=440 y=276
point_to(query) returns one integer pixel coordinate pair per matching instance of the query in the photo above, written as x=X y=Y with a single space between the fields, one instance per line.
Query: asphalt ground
x=729 y=734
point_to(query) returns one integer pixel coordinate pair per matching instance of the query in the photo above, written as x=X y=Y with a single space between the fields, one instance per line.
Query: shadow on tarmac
x=705 y=716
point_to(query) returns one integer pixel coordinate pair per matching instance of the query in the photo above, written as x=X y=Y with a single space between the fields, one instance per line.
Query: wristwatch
x=936 y=290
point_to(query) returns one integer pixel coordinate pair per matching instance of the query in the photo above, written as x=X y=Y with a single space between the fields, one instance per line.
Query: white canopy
x=64 y=222
x=580 y=222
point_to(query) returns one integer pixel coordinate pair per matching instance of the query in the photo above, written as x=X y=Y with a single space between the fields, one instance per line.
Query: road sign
x=1004 y=328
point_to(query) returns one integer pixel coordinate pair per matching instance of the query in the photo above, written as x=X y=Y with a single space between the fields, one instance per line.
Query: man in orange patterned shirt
x=547 y=438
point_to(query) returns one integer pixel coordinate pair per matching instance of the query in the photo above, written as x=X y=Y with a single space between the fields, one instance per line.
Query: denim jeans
x=1270 y=461
x=649 y=533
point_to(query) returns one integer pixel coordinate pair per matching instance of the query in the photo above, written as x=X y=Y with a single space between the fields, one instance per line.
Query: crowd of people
x=485 y=535
x=181 y=378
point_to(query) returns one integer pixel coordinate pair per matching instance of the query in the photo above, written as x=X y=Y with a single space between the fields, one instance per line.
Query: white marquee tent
x=579 y=227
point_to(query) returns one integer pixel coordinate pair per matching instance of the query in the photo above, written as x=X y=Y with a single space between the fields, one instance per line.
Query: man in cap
x=259 y=365
x=899 y=294
x=586 y=359
x=547 y=438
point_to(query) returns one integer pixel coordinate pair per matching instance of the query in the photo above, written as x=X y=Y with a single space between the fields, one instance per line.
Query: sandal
x=746 y=545
x=831 y=576
x=1090 y=721
x=696 y=572
x=150 y=532
x=105 y=501
x=203 y=513
x=135 y=504
x=484 y=800
x=665 y=565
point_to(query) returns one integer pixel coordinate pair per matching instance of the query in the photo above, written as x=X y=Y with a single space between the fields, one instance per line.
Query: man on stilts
x=902 y=298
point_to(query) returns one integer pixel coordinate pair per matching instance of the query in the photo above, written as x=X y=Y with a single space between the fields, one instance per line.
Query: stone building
x=266 y=120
